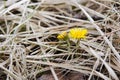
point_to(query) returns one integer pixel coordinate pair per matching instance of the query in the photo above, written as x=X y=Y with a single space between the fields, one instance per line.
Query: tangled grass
x=29 y=44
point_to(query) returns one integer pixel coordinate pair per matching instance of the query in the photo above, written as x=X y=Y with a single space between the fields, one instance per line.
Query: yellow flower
x=62 y=36
x=78 y=33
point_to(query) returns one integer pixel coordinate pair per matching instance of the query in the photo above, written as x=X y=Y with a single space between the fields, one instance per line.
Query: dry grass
x=29 y=47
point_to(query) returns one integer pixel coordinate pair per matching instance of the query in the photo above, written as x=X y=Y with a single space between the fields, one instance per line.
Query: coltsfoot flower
x=62 y=36
x=77 y=33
